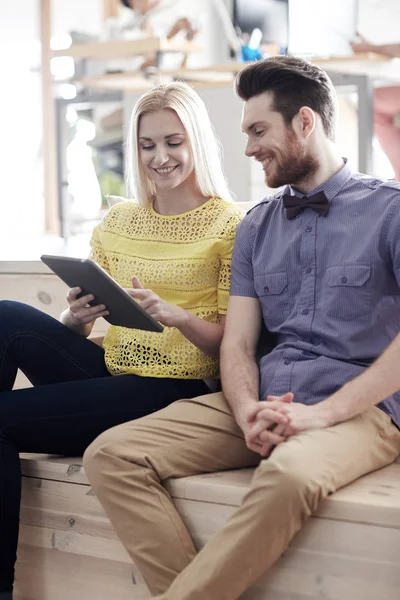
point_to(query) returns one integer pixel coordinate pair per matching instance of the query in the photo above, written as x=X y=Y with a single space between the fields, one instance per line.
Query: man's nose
x=251 y=148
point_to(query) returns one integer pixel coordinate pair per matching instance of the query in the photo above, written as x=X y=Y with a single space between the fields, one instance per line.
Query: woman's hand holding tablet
x=113 y=302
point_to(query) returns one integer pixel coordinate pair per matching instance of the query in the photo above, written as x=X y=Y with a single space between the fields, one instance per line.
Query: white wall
x=80 y=15
x=379 y=20
x=21 y=196
x=21 y=202
x=225 y=110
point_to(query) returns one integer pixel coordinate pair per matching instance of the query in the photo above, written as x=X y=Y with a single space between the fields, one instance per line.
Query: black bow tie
x=294 y=205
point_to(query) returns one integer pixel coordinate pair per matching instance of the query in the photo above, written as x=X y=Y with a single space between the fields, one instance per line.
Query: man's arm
x=380 y=380
x=370 y=388
x=390 y=50
x=239 y=370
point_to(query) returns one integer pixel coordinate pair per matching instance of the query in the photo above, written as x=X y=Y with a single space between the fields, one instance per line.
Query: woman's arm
x=206 y=336
x=203 y=334
x=79 y=316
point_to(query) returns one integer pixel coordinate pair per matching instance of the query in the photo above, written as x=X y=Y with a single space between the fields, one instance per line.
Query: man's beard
x=295 y=166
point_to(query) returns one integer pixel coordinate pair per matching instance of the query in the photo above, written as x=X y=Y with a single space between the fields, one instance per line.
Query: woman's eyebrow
x=147 y=139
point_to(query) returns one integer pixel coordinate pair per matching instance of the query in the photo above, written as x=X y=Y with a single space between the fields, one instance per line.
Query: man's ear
x=304 y=122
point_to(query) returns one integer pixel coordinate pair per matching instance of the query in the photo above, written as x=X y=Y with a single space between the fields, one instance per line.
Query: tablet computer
x=92 y=279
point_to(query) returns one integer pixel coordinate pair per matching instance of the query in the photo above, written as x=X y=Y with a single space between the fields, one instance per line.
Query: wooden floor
x=68 y=550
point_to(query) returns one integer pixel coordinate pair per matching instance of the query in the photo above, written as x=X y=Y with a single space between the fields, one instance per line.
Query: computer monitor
x=320 y=28
x=271 y=16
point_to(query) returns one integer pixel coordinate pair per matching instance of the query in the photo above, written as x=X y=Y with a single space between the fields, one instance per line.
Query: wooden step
x=349 y=550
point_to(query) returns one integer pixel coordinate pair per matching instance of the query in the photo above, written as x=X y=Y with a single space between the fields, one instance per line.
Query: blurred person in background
x=386 y=106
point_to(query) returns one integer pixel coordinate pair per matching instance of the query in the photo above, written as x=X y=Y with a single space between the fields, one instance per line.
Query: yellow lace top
x=185 y=259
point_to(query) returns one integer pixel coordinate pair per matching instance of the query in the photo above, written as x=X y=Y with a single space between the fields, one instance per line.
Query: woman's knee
x=9 y=307
x=10 y=317
x=13 y=313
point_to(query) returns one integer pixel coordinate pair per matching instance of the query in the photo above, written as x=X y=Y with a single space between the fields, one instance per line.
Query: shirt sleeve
x=97 y=250
x=242 y=278
x=226 y=264
x=393 y=237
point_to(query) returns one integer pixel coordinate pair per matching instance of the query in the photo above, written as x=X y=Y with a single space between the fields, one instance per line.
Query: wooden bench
x=350 y=550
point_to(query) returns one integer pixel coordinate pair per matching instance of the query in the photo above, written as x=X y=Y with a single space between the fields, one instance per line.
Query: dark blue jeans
x=73 y=401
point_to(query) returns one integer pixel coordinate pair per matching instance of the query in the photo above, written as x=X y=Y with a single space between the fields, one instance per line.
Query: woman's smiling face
x=164 y=149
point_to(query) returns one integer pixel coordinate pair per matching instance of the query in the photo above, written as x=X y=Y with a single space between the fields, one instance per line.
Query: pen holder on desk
x=248 y=54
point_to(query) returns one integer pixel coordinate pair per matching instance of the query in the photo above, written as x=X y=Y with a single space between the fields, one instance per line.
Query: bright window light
x=67 y=91
x=62 y=67
x=86 y=129
x=61 y=41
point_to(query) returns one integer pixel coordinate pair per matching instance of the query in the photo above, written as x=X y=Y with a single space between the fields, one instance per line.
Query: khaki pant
x=128 y=464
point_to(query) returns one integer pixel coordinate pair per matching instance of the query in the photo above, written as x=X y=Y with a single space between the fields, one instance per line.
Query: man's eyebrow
x=142 y=137
x=252 y=126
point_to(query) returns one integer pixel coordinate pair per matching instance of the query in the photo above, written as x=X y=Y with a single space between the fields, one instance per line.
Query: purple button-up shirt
x=329 y=287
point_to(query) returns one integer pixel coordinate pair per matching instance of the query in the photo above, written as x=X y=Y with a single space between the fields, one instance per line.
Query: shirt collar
x=331 y=187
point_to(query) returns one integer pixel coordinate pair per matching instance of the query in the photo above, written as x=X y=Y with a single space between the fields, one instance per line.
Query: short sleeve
x=226 y=264
x=242 y=278
x=97 y=252
x=393 y=238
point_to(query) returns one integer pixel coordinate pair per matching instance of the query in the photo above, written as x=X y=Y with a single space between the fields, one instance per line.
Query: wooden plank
x=358 y=539
x=138 y=83
x=57 y=468
x=44 y=574
x=72 y=542
x=79 y=522
x=375 y=498
x=61 y=497
x=227 y=487
x=312 y=582
x=235 y=67
x=333 y=559
x=123 y=48
x=23 y=267
x=46 y=292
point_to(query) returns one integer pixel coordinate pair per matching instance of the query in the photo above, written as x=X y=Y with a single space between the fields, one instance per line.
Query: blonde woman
x=172 y=249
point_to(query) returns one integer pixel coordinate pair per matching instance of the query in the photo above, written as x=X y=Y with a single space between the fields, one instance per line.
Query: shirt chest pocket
x=272 y=290
x=347 y=294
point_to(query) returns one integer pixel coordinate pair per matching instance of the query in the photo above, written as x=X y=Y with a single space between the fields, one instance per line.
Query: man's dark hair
x=294 y=83
x=126 y=3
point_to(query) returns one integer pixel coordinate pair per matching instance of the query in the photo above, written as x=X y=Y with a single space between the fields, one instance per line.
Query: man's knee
x=295 y=482
x=103 y=452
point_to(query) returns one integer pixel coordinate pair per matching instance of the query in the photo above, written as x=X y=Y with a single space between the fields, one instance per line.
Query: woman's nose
x=161 y=156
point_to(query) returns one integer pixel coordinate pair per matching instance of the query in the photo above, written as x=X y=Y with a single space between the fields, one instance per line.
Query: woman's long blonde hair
x=205 y=146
